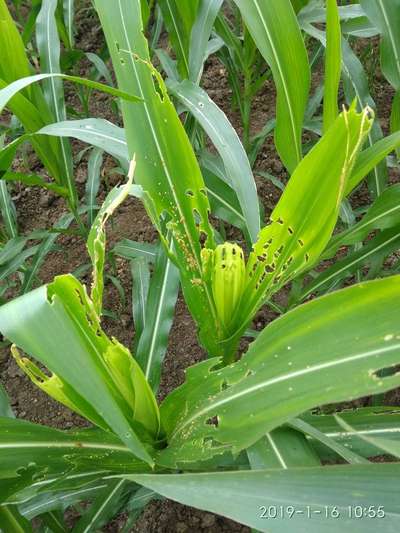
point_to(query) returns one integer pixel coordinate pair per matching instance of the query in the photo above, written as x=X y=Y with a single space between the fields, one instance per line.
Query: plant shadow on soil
x=38 y=209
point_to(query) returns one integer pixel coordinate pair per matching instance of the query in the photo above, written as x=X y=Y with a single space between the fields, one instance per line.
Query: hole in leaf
x=213 y=421
x=387 y=372
x=224 y=385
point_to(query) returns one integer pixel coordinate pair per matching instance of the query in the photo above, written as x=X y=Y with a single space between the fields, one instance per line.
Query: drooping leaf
x=96 y=242
x=251 y=497
x=111 y=391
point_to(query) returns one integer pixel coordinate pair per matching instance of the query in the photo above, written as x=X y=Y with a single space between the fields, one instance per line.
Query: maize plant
x=251 y=434
x=224 y=440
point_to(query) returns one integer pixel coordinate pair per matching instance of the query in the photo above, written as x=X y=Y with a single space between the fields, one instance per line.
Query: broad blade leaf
x=249 y=497
x=296 y=363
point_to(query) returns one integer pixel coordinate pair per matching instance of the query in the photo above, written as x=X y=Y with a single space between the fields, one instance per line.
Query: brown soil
x=38 y=209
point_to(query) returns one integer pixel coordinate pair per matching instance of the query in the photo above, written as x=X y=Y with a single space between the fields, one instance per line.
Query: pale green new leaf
x=302 y=222
x=275 y=30
x=96 y=242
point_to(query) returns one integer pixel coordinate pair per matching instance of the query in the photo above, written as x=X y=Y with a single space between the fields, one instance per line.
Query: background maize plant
x=199 y=265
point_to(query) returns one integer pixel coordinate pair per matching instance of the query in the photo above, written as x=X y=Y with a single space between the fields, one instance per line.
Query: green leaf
x=302 y=223
x=5 y=407
x=274 y=28
x=11 y=520
x=226 y=141
x=370 y=157
x=167 y=168
x=282 y=448
x=48 y=453
x=69 y=12
x=248 y=496
x=383 y=214
x=43 y=249
x=107 y=504
x=356 y=87
x=395 y=118
x=34 y=179
x=296 y=363
x=140 y=289
x=8 y=211
x=179 y=18
x=199 y=36
x=48 y=44
x=380 y=246
x=111 y=391
x=388 y=446
x=379 y=423
x=385 y=15
x=131 y=250
x=93 y=182
x=13 y=88
x=160 y=308
x=329 y=442
x=333 y=63
x=95 y=131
